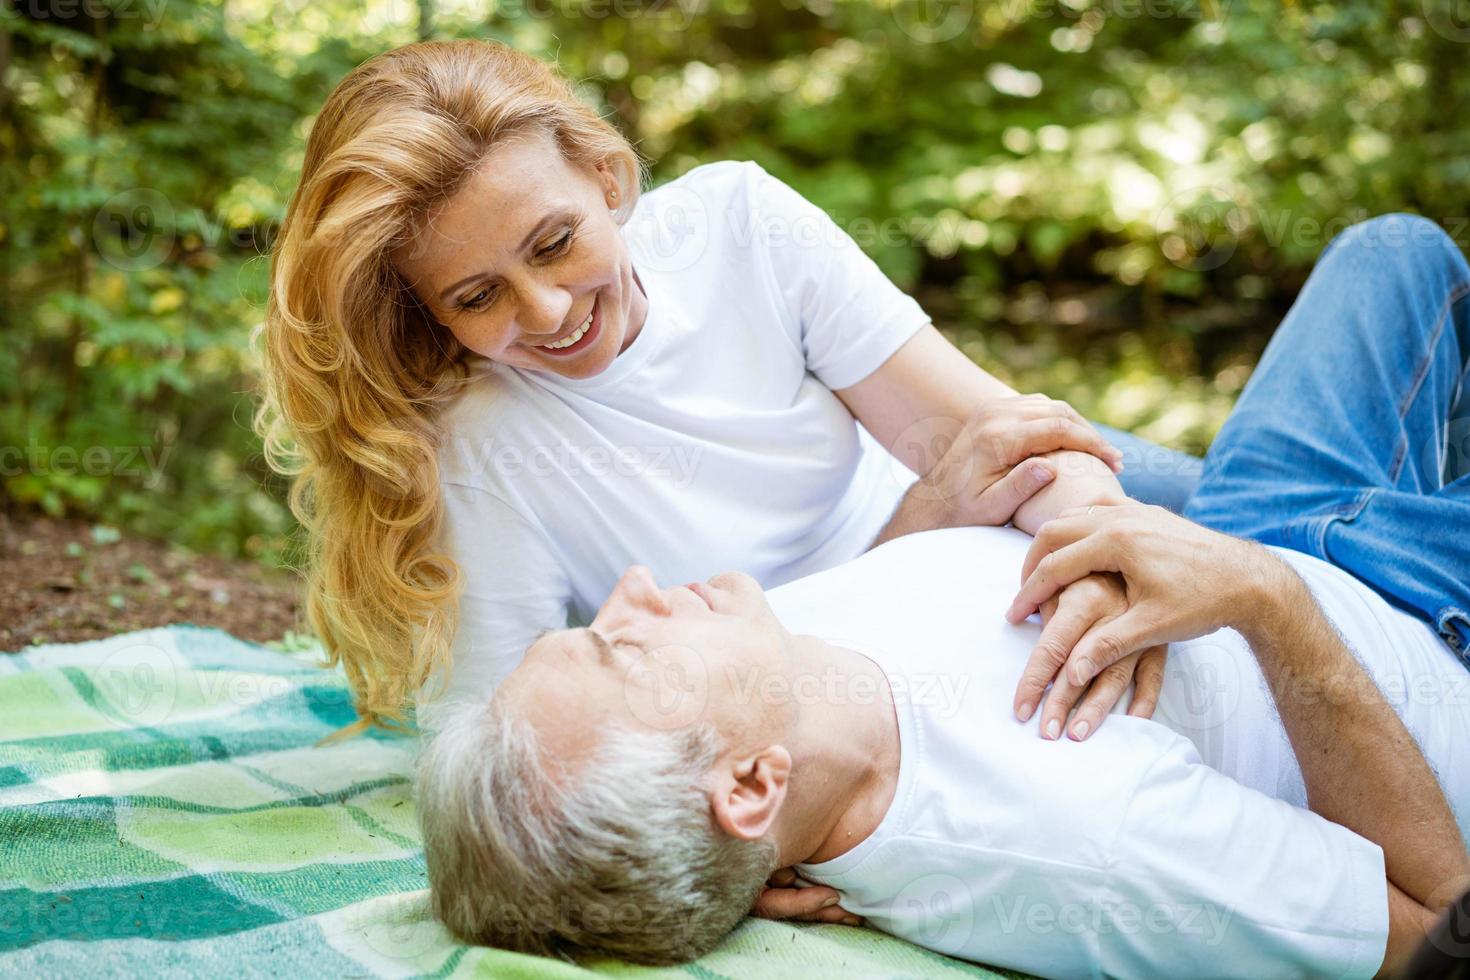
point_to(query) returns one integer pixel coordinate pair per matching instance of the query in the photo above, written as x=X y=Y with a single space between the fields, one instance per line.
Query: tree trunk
x=82 y=268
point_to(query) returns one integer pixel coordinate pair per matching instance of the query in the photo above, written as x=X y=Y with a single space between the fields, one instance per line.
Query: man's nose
x=638 y=585
x=636 y=592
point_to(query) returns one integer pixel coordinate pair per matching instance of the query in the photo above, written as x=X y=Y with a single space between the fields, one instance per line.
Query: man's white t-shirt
x=1128 y=854
x=714 y=442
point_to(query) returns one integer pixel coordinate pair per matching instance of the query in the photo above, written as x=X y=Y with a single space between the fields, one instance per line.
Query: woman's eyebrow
x=550 y=219
x=531 y=236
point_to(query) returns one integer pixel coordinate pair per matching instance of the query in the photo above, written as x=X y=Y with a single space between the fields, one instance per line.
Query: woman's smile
x=581 y=337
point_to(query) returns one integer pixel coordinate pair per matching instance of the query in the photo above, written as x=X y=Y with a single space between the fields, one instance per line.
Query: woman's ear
x=609 y=180
x=748 y=792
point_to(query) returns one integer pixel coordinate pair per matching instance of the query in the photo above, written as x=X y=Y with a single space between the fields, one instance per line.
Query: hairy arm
x=1362 y=768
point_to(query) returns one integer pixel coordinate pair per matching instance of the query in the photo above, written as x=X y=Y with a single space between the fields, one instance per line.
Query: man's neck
x=845 y=753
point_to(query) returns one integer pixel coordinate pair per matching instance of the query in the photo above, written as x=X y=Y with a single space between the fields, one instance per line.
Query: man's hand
x=1092 y=601
x=782 y=899
x=982 y=471
x=1180 y=580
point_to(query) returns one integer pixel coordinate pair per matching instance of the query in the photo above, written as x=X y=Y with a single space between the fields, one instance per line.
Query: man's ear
x=748 y=792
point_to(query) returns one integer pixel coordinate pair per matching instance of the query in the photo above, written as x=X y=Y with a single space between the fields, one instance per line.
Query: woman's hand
x=980 y=472
x=782 y=899
x=1180 y=580
x=1091 y=601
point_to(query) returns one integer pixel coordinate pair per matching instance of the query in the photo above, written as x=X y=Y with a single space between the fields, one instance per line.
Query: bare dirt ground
x=66 y=581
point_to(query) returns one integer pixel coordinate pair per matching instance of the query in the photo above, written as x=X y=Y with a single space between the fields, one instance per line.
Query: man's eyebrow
x=536 y=232
x=604 y=650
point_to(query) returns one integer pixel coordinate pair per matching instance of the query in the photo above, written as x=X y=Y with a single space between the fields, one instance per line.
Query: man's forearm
x=1361 y=767
x=917 y=511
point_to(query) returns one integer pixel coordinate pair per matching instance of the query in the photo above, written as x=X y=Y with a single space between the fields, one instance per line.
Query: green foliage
x=1109 y=200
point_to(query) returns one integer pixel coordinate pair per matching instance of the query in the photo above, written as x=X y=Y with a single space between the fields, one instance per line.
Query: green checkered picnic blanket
x=164 y=811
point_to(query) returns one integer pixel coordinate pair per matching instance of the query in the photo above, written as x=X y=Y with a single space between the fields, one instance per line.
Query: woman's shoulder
x=721 y=189
x=723 y=177
x=487 y=387
x=486 y=414
x=715 y=210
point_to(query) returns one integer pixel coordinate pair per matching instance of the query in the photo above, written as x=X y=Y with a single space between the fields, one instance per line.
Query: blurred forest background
x=1112 y=201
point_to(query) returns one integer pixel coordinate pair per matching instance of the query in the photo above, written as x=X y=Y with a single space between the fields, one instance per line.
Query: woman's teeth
x=572 y=337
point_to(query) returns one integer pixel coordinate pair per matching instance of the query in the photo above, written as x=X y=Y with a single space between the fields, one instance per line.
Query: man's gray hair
x=621 y=856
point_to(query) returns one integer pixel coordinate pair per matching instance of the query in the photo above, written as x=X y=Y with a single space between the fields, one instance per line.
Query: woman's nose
x=544 y=310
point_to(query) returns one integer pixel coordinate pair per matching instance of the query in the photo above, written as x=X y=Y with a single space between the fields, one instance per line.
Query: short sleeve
x=851 y=317
x=1211 y=872
x=514 y=589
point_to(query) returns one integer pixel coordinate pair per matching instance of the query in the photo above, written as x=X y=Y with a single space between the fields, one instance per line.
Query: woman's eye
x=477 y=301
x=558 y=246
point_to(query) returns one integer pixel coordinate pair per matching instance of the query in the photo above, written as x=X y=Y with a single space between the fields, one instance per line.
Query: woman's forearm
x=1361 y=767
x=1081 y=480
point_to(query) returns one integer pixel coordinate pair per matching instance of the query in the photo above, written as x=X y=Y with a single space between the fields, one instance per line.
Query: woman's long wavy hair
x=355 y=370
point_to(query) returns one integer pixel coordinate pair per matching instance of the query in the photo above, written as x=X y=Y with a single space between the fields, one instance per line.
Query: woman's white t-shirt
x=714 y=442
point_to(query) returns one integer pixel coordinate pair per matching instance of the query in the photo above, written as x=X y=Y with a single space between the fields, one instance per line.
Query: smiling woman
x=552 y=288
x=480 y=334
x=357 y=357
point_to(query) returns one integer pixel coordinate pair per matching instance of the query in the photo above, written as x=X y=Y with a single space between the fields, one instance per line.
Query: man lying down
x=631 y=785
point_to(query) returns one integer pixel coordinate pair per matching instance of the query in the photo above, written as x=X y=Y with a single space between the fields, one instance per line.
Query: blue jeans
x=1351 y=441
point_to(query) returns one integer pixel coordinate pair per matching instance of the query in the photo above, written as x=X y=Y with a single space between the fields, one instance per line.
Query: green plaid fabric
x=165 y=812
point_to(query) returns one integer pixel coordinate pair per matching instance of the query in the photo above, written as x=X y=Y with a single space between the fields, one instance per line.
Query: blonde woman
x=499 y=377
